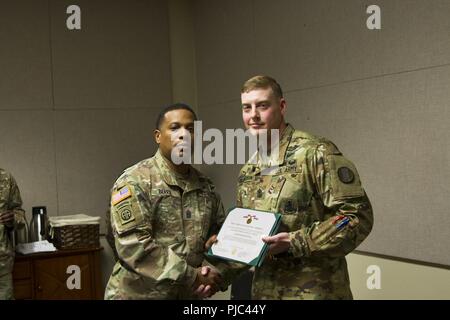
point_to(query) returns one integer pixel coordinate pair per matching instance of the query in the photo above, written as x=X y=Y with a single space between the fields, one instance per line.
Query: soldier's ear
x=157 y=135
x=283 y=106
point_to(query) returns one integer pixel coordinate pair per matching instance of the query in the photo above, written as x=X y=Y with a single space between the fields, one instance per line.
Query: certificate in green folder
x=240 y=238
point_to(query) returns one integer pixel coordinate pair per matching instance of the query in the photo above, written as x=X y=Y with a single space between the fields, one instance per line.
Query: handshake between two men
x=208 y=280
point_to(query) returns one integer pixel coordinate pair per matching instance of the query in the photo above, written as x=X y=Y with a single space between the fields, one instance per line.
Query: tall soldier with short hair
x=325 y=211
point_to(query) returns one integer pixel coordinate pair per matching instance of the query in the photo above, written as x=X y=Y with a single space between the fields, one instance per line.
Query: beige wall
x=381 y=96
x=182 y=52
x=77 y=107
x=399 y=280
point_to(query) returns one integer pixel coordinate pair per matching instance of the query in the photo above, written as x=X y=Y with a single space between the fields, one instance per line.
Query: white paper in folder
x=35 y=247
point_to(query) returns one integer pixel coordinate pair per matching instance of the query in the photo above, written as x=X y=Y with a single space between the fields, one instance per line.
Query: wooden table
x=52 y=275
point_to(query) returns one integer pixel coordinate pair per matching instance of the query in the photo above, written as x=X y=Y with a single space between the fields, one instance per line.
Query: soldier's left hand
x=278 y=243
x=6 y=217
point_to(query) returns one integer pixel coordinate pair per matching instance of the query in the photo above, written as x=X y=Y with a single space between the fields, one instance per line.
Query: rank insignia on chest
x=289 y=206
x=187 y=214
x=259 y=193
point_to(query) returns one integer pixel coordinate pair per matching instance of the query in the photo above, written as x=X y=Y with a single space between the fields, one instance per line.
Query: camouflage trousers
x=6 y=287
x=126 y=285
x=291 y=280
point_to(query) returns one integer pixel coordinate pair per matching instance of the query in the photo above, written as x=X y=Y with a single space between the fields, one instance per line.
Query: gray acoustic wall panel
x=381 y=95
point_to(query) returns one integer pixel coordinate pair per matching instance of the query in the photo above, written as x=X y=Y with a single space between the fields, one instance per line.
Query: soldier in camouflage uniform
x=11 y=216
x=325 y=211
x=161 y=216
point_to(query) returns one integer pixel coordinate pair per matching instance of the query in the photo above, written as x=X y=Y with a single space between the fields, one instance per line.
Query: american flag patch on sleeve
x=120 y=195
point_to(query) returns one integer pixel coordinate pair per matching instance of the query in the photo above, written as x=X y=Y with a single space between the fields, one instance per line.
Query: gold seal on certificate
x=239 y=239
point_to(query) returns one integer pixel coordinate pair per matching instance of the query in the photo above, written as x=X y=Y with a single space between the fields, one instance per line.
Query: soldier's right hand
x=207 y=282
x=210 y=242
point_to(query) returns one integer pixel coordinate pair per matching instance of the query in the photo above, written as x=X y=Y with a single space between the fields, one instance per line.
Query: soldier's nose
x=183 y=133
x=254 y=114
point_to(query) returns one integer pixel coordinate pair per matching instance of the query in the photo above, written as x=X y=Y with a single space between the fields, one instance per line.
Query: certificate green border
x=257 y=262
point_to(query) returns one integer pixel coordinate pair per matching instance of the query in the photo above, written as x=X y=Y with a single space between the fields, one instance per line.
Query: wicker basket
x=76 y=236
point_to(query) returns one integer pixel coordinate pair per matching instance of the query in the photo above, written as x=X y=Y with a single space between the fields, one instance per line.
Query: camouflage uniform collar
x=185 y=182
x=284 y=143
x=274 y=161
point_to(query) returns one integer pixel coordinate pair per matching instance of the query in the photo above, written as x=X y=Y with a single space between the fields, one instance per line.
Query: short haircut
x=262 y=82
x=175 y=106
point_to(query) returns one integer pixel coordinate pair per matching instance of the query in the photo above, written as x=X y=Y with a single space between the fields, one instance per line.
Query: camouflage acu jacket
x=160 y=222
x=324 y=209
x=10 y=200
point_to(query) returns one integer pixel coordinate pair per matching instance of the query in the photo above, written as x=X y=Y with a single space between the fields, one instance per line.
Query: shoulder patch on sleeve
x=345 y=182
x=346 y=174
x=125 y=212
x=120 y=195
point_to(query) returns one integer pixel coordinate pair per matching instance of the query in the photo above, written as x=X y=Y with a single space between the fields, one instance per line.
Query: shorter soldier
x=161 y=216
x=11 y=216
